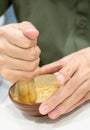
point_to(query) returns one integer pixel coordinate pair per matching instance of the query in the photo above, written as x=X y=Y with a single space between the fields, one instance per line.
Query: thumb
x=29 y=30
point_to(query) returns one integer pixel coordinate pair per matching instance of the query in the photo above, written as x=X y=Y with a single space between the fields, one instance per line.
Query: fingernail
x=44 y=109
x=32 y=33
x=54 y=114
x=60 y=78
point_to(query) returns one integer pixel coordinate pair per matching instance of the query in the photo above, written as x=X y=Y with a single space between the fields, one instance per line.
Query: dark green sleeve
x=4 y=4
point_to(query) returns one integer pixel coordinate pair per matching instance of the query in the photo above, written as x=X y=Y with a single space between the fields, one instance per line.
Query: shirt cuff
x=4 y=87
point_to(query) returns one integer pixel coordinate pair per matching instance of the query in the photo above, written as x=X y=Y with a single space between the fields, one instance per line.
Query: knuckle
x=4 y=72
x=36 y=63
x=38 y=50
x=87 y=97
x=29 y=76
x=66 y=72
x=62 y=71
x=32 y=66
x=32 y=74
x=2 y=32
x=3 y=60
x=27 y=45
x=2 y=47
x=35 y=52
x=33 y=57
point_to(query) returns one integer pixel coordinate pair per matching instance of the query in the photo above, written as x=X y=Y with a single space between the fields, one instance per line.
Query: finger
x=15 y=75
x=84 y=99
x=68 y=70
x=55 y=116
x=29 y=30
x=51 y=68
x=29 y=54
x=70 y=101
x=16 y=64
x=63 y=93
x=55 y=66
x=16 y=38
x=88 y=95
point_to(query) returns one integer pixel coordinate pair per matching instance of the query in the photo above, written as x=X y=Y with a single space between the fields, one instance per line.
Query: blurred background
x=8 y=17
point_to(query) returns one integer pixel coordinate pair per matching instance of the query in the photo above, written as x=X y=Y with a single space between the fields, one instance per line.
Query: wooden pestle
x=26 y=91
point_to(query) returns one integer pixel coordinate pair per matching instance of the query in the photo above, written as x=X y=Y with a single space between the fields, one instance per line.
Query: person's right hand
x=19 y=53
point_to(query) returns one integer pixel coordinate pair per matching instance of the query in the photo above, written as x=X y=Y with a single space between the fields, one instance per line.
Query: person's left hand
x=74 y=75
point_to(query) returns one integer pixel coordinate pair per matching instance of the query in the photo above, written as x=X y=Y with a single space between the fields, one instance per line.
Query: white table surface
x=12 y=119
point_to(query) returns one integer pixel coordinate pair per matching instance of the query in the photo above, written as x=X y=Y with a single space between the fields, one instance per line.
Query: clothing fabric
x=64 y=25
x=4 y=88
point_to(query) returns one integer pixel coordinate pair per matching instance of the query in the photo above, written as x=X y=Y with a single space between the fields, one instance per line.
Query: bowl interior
x=32 y=93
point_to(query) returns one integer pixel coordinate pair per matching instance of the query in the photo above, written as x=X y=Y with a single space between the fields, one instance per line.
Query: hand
x=74 y=75
x=19 y=53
